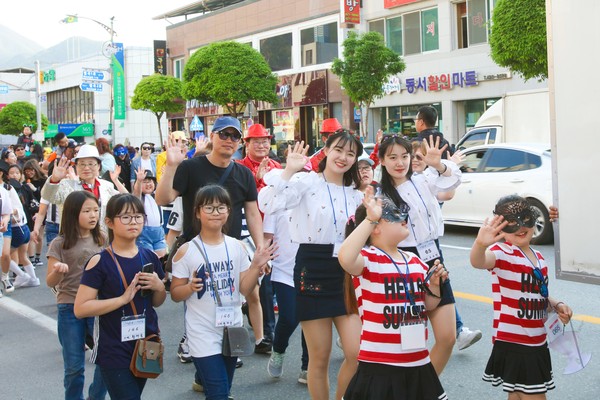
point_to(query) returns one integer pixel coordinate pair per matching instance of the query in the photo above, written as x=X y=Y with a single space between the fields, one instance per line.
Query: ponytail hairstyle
x=351 y=176
x=388 y=187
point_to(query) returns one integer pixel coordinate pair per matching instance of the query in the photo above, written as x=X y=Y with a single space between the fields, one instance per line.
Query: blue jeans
x=71 y=335
x=216 y=374
x=121 y=383
x=51 y=231
x=265 y=293
x=287 y=322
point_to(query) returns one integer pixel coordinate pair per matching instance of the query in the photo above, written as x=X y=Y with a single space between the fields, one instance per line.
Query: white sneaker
x=22 y=280
x=7 y=286
x=467 y=337
x=33 y=282
x=275 y=365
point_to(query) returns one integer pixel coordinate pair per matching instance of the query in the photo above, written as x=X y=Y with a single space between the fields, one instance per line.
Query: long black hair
x=345 y=136
x=69 y=223
x=388 y=187
x=206 y=195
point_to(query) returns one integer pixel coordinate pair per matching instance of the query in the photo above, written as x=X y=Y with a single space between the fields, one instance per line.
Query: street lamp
x=71 y=18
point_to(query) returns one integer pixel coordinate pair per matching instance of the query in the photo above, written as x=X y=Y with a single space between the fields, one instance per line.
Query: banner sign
x=160 y=57
x=351 y=14
x=118 y=68
x=397 y=3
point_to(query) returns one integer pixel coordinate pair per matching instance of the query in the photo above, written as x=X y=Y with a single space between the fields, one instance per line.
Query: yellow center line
x=484 y=299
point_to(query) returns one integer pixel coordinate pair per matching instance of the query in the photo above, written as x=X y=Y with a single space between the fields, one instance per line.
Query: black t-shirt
x=197 y=172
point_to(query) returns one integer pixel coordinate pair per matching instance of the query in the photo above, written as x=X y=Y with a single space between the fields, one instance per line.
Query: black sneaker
x=239 y=363
x=264 y=347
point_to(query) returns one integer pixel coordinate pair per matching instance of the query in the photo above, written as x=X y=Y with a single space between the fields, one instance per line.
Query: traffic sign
x=3 y=89
x=92 y=75
x=196 y=125
x=91 y=86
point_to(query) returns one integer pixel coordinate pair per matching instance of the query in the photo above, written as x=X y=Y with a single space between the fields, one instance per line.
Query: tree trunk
x=158 y=117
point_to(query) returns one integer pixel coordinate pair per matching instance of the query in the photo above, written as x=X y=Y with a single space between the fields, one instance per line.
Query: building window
x=178 y=68
x=70 y=106
x=472 y=18
x=277 y=50
x=319 y=44
x=410 y=33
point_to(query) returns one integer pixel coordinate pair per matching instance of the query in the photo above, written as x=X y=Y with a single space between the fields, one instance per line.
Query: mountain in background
x=18 y=51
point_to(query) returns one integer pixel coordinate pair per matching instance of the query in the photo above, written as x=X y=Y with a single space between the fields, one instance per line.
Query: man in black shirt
x=425 y=122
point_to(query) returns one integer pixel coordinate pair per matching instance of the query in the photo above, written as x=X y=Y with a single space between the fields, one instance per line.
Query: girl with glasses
x=396 y=291
x=520 y=360
x=110 y=289
x=214 y=261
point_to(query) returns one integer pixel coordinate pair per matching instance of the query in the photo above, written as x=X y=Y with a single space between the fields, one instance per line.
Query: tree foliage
x=158 y=94
x=518 y=37
x=229 y=74
x=15 y=114
x=366 y=66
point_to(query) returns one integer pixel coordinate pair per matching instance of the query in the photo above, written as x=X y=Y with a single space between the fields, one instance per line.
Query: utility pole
x=39 y=133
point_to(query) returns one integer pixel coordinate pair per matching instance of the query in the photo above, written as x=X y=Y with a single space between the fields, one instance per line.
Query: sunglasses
x=235 y=136
x=147 y=148
x=542 y=281
x=392 y=214
x=120 y=152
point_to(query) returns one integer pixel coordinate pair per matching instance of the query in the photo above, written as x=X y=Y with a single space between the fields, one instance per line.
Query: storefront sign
x=48 y=76
x=70 y=130
x=302 y=89
x=194 y=107
x=160 y=53
x=118 y=71
x=498 y=76
x=351 y=12
x=397 y=3
x=392 y=85
x=435 y=83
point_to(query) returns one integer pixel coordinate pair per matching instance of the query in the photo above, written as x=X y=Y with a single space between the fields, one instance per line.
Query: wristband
x=372 y=222
x=444 y=171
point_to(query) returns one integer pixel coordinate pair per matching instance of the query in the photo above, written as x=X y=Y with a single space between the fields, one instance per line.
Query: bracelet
x=372 y=222
x=444 y=171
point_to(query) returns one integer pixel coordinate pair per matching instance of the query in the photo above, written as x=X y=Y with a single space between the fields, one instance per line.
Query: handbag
x=147 y=357
x=236 y=340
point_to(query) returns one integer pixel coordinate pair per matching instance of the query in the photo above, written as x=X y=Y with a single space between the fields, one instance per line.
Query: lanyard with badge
x=338 y=242
x=427 y=250
x=133 y=327
x=412 y=333
x=225 y=315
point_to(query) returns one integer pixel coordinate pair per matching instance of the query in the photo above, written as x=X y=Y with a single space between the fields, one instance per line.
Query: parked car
x=493 y=171
x=369 y=147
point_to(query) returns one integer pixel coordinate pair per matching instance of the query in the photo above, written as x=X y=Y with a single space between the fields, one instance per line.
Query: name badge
x=225 y=316
x=413 y=336
x=133 y=327
x=336 y=249
x=554 y=327
x=428 y=251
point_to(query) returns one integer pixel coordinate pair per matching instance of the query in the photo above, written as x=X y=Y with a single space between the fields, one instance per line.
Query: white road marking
x=36 y=317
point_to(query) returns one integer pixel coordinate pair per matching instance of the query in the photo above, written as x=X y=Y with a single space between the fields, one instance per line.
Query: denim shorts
x=152 y=238
x=20 y=236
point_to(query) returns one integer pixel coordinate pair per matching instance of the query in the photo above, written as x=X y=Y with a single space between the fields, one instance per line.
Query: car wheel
x=543 y=232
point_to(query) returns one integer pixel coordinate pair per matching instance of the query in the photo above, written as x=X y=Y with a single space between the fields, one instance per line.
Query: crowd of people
x=331 y=244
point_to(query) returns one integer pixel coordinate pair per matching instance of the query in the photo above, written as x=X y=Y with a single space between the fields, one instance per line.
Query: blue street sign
x=92 y=75
x=3 y=89
x=196 y=125
x=91 y=86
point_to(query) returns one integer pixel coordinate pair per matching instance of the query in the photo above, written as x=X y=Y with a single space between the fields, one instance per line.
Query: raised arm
x=489 y=233
x=165 y=194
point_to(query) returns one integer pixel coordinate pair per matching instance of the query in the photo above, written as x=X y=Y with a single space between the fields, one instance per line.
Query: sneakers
x=32 y=282
x=37 y=262
x=275 y=366
x=264 y=347
x=239 y=363
x=196 y=387
x=6 y=285
x=183 y=352
x=467 y=337
x=22 y=280
x=303 y=377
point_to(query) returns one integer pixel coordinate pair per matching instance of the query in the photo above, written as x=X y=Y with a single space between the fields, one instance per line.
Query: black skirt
x=520 y=368
x=319 y=283
x=387 y=382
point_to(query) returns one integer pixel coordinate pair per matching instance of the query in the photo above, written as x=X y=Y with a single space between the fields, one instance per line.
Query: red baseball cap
x=330 y=125
x=257 y=131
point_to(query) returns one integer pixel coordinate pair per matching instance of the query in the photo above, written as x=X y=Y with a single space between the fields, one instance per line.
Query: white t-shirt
x=283 y=265
x=175 y=221
x=6 y=207
x=153 y=211
x=227 y=260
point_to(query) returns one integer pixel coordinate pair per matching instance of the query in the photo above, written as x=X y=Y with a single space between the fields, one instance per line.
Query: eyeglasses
x=259 y=143
x=127 y=218
x=209 y=209
x=542 y=281
x=87 y=165
x=20 y=149
x=418 y=157
x=365 y=169
x=147 y=148
x=235 y=136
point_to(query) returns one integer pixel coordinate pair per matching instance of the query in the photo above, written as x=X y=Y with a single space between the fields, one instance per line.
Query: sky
x=133 y=22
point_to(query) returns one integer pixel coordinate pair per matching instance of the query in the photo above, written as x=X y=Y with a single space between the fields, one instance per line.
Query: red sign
x=396 y=3
x=351 y=12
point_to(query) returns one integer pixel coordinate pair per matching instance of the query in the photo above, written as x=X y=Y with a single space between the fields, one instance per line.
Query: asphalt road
x=31 y=362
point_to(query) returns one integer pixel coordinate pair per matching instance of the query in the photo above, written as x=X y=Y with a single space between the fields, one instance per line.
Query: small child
x=520 y=360
x=395 y=297
x=153 y=234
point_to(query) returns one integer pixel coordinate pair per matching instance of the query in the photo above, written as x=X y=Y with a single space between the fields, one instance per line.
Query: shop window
x=410 y=33
x=319 y=44
x=377 y=26
x=277 y=50
x=394 y=34
x=178 y=68
x=429 y=30
x=472 y=18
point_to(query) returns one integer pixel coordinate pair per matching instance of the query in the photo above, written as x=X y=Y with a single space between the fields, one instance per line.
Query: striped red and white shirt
x=381 y=297
x=519 y=308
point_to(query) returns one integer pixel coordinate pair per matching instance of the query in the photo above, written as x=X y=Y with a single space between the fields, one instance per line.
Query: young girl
x=35 y=179
x=520 y=359
x=153 y=234
x=321 y=204
x=103 y=293
x=424 y=221
x=79 y=239
x=222 y=263
x=395 y=299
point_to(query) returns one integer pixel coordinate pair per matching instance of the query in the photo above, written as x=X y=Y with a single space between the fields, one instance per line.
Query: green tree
x=17 y=113
x=158 y=94
x=366 y=66
x=518 y=37
x=229 y=74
